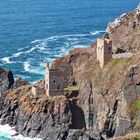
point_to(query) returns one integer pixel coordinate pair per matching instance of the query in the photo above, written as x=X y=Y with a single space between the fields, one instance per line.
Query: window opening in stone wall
x=58 y=87
x=109 y=48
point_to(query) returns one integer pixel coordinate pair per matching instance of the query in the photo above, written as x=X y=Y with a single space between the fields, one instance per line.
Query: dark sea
x=35 y=31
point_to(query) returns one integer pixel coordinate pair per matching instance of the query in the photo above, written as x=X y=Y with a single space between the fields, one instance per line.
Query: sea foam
x=26 y=66
x=8 y=132
x=17 y=54
x=7 y=60
x=50 y=48
x=30 y=50
x=96 y=32
x=80 y=46
x=31 y=69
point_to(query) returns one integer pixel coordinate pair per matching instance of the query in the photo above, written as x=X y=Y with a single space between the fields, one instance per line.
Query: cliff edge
x=125 y=32
x=106 y=104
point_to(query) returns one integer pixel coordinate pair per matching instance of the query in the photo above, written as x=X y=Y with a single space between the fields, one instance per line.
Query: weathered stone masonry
x=54 y=81
x=104 y=50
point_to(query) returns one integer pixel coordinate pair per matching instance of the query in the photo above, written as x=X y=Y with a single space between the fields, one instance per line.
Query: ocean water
x=33 y=31
x=8 y=133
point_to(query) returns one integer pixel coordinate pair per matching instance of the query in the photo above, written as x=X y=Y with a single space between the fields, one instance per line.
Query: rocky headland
x=107 y=104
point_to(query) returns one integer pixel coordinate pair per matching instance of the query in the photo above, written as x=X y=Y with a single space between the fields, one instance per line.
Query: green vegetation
x=136 y=107
x=115 y=62
x=72 y=88
x=135 y=138
x=128 y=59
x=121 y=64
x=120 y=61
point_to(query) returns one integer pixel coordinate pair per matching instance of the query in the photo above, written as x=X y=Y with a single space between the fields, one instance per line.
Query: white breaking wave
x=80 y=46
x=7 y=60
x=41 y=45
x=42 y=64
x=35 y=41
x=49 y=59
x=64 y=36
x=68 y=42
x=26 y=66
x=38 y=70
x=9 y=132
x=57 y=37
x=20 y=49
x=72 y=39
x=17 y=54
x=50 y=48
x=74 y=35
x=97 y=32
x=32 y=49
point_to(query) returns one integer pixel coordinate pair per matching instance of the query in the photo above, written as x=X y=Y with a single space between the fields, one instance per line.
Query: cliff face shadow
x=78 y=118
x=74 y=94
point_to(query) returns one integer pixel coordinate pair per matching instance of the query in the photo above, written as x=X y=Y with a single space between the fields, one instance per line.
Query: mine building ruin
x=104 y=50
x=54 y=81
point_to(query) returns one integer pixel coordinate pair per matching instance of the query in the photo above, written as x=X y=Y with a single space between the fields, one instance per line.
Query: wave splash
x=8 y=133
x=29 y=58
x=6 y=60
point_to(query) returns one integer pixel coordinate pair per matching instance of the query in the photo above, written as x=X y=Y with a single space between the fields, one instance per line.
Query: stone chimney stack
x=54 y=81
x=47 y=78
x=104 y=50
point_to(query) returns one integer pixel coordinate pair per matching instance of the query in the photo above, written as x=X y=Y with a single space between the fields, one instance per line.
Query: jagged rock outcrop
x=35 y=116
x=125 y=31
x=101 y=110
x=105 y=95
x=130 y=136
x=19 y=82
x=6 y=80
x=106 y=106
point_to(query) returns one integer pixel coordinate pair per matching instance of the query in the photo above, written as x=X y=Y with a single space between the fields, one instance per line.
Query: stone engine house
x=104 y=50
x=54 y=81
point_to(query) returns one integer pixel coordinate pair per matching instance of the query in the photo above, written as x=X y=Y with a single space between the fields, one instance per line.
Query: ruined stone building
x=54 y=81
x=104 y=50
x=36 y=90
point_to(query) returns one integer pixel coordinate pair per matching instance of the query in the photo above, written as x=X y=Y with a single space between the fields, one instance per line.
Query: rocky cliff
x=6 y=80
x=125 y=32
x=35 y=116
x=108 y=101
x=109 y=97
